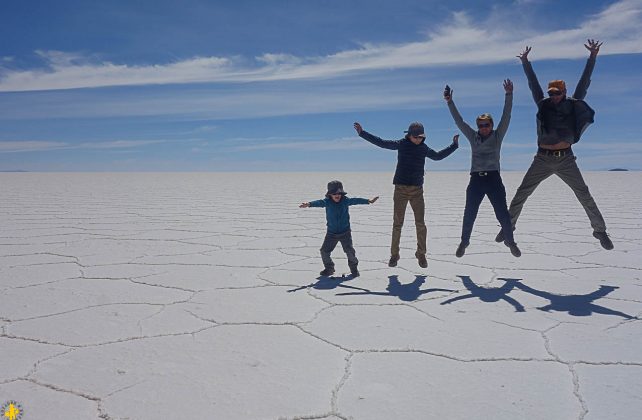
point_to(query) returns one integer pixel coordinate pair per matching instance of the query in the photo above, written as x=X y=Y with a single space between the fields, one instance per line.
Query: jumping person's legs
x=539 y=170
x=497 y=195
x=569 y=172
x=474 y=197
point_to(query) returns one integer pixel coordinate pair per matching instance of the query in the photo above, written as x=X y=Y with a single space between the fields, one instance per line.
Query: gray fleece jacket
x=485 y=152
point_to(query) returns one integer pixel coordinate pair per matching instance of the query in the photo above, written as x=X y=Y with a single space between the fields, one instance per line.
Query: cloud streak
x=41 y=146
x=461 y=42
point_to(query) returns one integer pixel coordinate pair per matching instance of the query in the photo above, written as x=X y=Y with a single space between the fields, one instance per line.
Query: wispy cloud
x=343 y=143
x=462 y=41
x=40 y=146
x=30 y=146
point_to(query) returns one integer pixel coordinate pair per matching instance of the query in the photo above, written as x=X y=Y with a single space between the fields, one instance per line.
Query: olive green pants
x=403 y=195
x=564 y=167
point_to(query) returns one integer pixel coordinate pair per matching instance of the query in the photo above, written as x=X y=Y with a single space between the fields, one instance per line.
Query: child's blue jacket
x=336 y=214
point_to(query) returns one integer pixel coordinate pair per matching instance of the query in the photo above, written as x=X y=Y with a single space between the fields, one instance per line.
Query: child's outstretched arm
x=372 y=200
x=315 y=203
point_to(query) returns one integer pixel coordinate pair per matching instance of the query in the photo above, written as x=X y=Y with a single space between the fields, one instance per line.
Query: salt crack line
x=571 y=368
x=105 y=343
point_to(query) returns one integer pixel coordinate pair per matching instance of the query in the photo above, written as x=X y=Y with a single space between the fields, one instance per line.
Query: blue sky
x=138 y=85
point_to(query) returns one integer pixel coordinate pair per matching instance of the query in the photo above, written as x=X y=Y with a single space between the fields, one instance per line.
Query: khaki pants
x=403 y=195
x=565 y=167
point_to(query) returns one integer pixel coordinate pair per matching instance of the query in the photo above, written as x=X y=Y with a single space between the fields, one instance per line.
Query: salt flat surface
x=141 y=296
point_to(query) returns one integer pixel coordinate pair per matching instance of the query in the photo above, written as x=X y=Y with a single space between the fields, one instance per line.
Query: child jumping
x=338 y=221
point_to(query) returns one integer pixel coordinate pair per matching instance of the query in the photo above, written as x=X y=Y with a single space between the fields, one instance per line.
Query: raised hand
x=508 y=86
x=456 y=139
x=448 y=93
x=524 y=54
x=358 y=127
x=593 y=45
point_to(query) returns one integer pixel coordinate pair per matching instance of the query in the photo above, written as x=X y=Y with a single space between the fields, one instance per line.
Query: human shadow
x=406 y=292
x=489 y=294
x=325 y=283
x=576 y=305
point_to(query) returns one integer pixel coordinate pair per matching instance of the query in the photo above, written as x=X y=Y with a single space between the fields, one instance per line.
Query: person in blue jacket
x=336 y=205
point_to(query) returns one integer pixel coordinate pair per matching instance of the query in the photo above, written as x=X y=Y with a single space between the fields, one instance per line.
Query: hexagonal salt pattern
x=123 y=299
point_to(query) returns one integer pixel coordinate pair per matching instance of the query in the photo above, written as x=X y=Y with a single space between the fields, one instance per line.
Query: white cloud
x=30 y=146
x=39 y=146
x=343 y=143
x=461 y=42
x=118 y=144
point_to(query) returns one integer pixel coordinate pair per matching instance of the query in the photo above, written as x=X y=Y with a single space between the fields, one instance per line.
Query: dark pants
x=486 y=184
x=330 y=242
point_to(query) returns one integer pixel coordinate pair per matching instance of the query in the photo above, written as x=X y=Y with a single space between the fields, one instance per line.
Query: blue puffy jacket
x=336 y=214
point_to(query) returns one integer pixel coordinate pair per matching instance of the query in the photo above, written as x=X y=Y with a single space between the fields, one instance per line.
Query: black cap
x=416 y=129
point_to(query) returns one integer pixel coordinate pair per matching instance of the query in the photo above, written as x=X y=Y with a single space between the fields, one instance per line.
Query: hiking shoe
x=327 y=272
x=461 y=250
x=393 y=260
x=605 y=241
x=421 y=259
x=513 y=249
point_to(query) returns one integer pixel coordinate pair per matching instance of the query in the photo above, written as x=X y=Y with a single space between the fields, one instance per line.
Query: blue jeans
x=490 y=185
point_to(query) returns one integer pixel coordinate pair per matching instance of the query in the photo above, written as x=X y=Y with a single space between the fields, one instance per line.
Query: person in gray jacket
x=561 y=120
x=485 y=180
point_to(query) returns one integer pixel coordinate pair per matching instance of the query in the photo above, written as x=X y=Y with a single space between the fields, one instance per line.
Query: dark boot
x=393 y=260
x=500 y=236
x=461 y=249
x=605 y=241
x=513 y=249
x=421 y=259
x=354 y=272
x=328 y=271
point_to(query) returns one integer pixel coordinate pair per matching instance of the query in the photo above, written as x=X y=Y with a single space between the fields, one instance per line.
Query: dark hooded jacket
x=567 y=120
x=411 y=158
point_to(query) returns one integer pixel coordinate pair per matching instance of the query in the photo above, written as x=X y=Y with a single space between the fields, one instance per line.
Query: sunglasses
x=483 y=125
x=555 y=93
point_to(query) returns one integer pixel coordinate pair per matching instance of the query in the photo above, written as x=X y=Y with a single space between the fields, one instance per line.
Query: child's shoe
x=327 y=272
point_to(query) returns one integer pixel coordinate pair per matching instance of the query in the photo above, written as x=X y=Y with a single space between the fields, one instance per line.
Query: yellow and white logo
x=11 y=410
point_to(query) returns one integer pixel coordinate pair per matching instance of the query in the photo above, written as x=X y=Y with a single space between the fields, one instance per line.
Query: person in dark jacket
x=561 y=120
x=412 y=152
x=336 y=205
